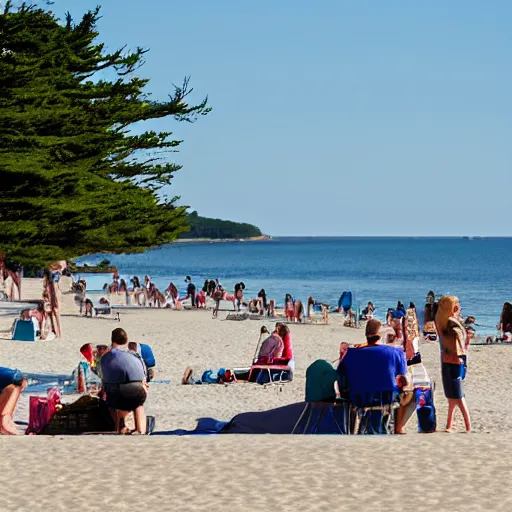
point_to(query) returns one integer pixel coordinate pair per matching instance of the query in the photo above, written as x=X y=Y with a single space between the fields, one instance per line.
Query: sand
x=421 y=472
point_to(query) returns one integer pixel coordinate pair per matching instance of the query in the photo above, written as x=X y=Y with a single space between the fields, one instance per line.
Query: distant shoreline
x=221 y=240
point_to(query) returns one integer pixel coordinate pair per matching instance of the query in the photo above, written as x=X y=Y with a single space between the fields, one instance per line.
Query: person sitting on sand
x=12 y=383
x=368 y=311
x=238 y=295
x=124 y=381
x=262 y=301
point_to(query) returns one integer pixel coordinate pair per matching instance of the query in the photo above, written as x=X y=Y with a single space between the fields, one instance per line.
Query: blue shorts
x=8 y=377
x=453 y=378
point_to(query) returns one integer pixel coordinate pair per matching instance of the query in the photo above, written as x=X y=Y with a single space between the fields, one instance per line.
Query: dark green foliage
x=73 y=178
x=203 y=227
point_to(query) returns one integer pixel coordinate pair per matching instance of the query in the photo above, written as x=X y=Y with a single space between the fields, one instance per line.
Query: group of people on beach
x=442 y=322
x=381 y=359
x=389 y=350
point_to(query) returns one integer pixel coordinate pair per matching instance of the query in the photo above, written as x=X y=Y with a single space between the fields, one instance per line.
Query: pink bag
x=41 y=411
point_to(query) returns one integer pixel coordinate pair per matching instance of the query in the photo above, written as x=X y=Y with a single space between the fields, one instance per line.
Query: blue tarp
x=324 y=419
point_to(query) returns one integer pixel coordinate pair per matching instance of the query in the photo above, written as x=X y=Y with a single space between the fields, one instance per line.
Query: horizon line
x=457 y=237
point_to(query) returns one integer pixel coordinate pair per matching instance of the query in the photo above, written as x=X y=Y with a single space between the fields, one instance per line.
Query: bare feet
x=7 y=426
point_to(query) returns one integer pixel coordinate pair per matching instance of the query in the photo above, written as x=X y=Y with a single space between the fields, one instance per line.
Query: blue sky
x=335 y=117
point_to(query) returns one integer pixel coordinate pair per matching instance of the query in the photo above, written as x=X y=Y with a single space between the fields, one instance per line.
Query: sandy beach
x=425 y=472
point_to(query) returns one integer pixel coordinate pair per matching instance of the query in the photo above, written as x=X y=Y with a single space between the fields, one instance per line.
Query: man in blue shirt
x=124 y=381
x=374 y=372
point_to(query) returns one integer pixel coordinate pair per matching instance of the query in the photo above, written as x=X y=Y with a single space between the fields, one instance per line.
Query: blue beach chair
x=372 y=401
x=24 y=330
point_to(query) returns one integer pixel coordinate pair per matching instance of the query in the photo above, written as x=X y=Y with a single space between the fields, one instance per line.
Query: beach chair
x=270 y=374
x=24 y=330
x=373 y=406
x=323 y=413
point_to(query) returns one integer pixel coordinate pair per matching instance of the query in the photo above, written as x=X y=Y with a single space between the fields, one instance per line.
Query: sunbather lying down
x=260 y=374
x=219 y=376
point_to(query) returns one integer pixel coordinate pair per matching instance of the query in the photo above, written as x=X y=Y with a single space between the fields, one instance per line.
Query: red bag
x=41 y=411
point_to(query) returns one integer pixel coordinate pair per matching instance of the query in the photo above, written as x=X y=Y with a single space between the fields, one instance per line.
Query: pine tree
x=73 y=178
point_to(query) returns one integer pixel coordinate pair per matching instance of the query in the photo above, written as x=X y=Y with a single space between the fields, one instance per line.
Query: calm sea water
x=382 y=270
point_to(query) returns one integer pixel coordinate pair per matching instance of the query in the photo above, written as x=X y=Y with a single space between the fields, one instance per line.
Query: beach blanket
x=282 y=420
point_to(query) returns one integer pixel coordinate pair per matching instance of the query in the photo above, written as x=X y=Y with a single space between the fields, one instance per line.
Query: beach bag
x=425 y=410
x=87 y=415
x=42 y=410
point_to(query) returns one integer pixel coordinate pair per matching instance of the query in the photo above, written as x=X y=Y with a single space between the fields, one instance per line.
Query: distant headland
x=205 y=229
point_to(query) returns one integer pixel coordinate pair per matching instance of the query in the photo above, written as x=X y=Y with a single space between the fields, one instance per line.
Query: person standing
x=191 y=291
x=51 y=293
x=453 y=343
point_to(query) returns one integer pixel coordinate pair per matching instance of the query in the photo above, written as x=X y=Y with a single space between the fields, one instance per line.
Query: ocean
x=381 y=270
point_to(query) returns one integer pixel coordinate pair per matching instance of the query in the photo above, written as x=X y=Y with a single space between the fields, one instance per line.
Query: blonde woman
x=453 y=342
